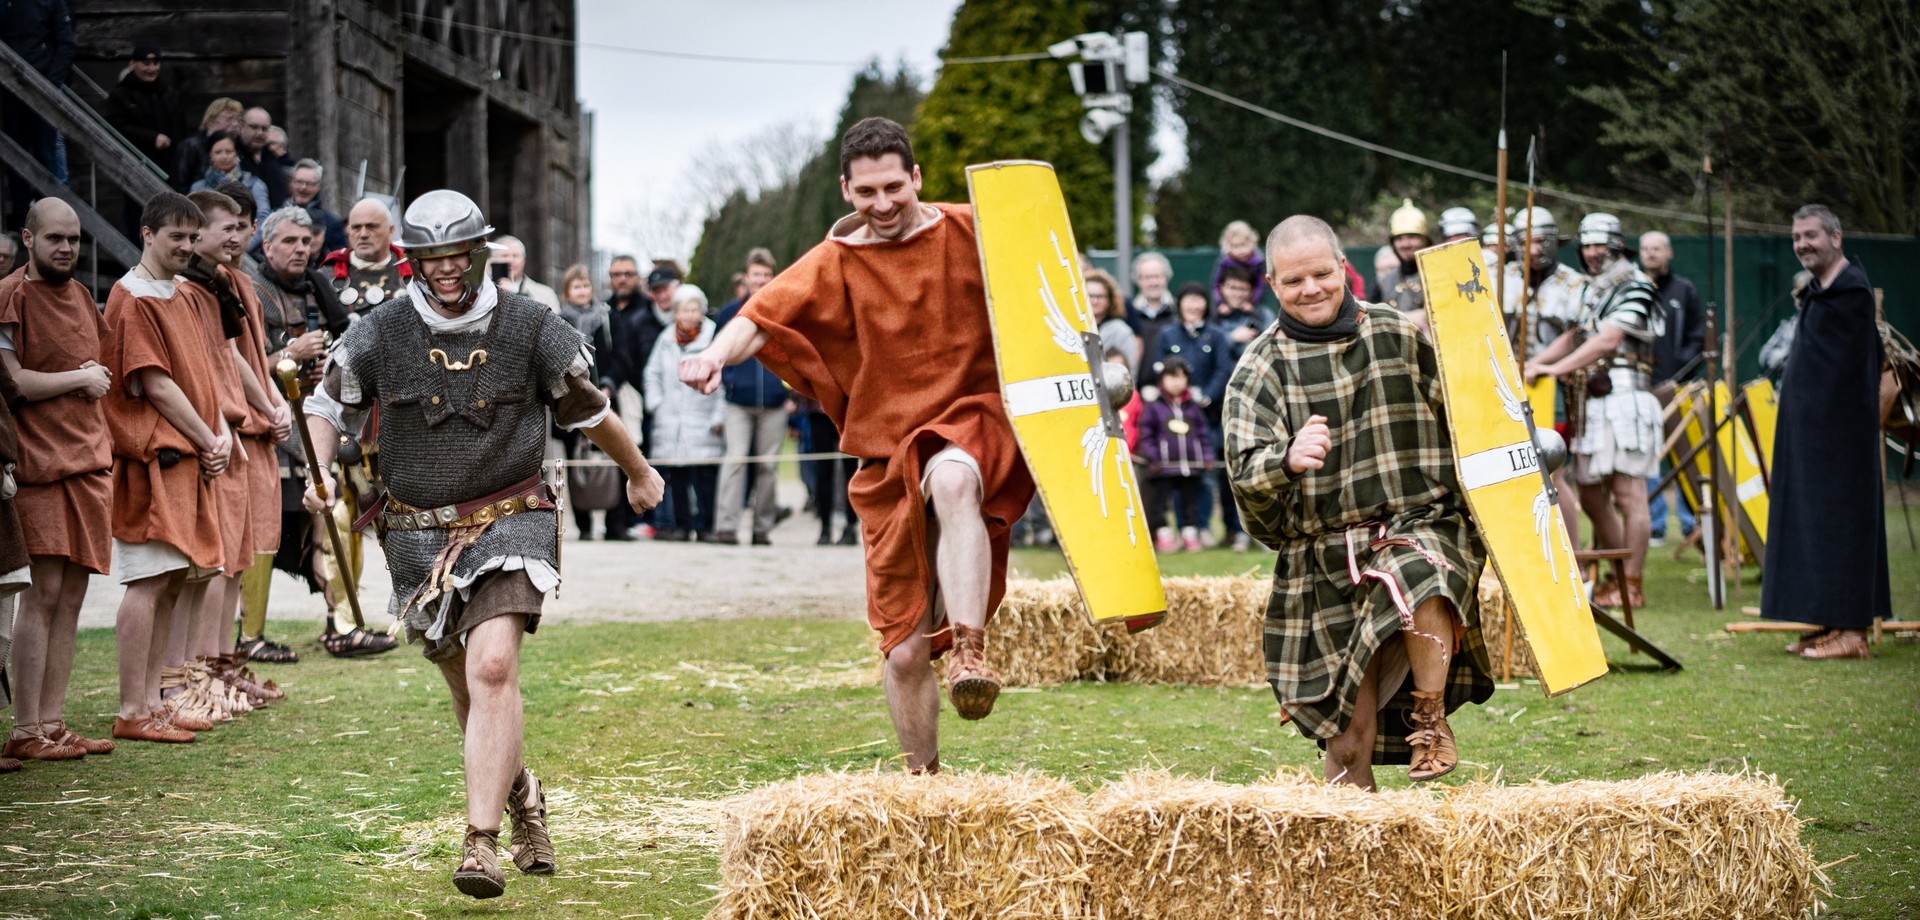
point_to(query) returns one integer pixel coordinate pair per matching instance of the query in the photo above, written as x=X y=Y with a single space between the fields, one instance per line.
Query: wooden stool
x=1618 y=558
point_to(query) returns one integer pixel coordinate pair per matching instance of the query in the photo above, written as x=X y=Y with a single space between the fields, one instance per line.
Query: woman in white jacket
x=686 y=425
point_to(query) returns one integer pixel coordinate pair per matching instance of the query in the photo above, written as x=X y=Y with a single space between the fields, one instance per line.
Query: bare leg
x=140 y=629
x=1430 y=660
x=1569 y=506
x=33 y=630
x=913 y=697
x=454 y=671
x=495 y=719
x=1597 y=499
x=189 y=612
x=1350 y=753
x=1637 y=521
x=961 y=555
x=62 y=632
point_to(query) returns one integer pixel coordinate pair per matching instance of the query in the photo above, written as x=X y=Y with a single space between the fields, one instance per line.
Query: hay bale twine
x=1665 y=845
x=1291 y=847
x=1211 y=636
x=890 y=845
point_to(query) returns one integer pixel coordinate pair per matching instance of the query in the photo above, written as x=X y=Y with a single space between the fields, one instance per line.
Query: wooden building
x=474 y=95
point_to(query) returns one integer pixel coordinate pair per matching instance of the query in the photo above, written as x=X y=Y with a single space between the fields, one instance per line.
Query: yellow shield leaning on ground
x=1499 y=468
x=1763 y=410
x=1049 y=351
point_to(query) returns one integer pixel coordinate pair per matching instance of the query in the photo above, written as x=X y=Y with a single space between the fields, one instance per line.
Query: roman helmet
x=1408 y=220
x=445 y=223
x=1601 y=229
x=1458 y=222
x=1543 y=227
x=1491 y=235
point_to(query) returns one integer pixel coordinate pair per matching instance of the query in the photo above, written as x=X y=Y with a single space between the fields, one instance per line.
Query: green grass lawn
x=345 y=800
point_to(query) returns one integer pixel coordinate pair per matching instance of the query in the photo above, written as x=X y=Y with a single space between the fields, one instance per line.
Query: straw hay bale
x=1042 y=635
x=1211 y=636
x=1665 y=845
x=1151 y=845
x=1289 y=847
x=1494 y=626
x=891 y=845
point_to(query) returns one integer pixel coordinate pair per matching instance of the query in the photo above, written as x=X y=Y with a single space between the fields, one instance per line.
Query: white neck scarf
x=483 y=304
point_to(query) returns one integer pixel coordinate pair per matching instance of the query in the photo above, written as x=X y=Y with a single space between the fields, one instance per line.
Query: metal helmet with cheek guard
x=1491 y=235
x=1602 y=229
x=1408 y=220
x=1458 y=222
x=444 y=223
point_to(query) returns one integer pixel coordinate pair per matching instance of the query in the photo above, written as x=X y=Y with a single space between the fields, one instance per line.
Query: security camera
x=1097 y=122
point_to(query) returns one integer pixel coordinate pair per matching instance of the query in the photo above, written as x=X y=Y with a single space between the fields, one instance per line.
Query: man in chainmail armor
x=467 y=378
x=1617 y=445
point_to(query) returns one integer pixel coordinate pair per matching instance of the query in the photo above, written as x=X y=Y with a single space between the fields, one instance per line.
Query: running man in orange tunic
x=169 y=443
x=885 y=324
x=50 y=334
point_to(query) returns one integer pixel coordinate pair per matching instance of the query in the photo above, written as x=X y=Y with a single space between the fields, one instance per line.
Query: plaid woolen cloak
x=1390 y=464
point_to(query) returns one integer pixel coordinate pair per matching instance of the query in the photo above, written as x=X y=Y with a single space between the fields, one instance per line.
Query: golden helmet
x=1408 y=219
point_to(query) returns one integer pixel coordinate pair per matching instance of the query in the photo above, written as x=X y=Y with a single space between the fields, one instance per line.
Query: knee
x=910 y=659
x=1352 y=748
x=953 y=489
x=493 y=674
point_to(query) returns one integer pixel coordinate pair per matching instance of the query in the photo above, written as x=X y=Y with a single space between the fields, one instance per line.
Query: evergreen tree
x=1024 y=110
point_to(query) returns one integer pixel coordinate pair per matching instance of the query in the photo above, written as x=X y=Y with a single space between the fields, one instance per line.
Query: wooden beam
x=104 y=232
x=312 y=112
x=111 y=154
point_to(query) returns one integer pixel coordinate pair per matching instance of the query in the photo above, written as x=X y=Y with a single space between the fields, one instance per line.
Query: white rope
x=713 y=461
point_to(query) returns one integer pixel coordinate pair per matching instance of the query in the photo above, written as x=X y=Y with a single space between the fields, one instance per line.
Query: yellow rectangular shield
x=1740 y=484
x=1498 y=462
x=1763 y=412
x=1050 y=379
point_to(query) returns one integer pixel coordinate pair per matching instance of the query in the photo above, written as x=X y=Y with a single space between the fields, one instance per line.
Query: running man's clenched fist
x=1308 y=449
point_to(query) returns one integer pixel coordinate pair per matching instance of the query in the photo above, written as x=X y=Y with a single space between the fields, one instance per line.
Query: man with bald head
x=370 y=270
x=1674 y=352
x=256 y=125
x=509 y=252
x=1337 y=451
x=50 y=334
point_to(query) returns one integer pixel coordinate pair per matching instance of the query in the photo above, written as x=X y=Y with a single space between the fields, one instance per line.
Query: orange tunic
x=893 y=340
x=65 y=475
x=233 y=486
x=263 y=472
x=150 y=327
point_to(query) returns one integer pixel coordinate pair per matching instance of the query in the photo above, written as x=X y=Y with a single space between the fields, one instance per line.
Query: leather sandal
x=93 y=746
x=184 y=711
x=356 y=642
x=262 y=649
x=1839 y=644
x=1434 y=753
x=151 y=728
x=1807 y=641
x=973 y=686
x=39 y=743
x=531 y=848
x=483 y=849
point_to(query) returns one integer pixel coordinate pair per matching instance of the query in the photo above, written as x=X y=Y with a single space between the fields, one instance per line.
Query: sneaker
x=1164 y=540
x=1190 y=539
x=1242 y=543
x=1658 y=539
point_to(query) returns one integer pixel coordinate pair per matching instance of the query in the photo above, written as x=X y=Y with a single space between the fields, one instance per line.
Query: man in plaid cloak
x=1339 y=456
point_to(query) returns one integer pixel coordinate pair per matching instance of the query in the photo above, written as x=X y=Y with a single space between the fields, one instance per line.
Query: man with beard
x=50 y=342
x=1337 y=446
x=1827 y=534
x=469 y=522
x=170 y=442
x=1618 y=444
x=885 y=323
x=301 y=314
x=1400 y=286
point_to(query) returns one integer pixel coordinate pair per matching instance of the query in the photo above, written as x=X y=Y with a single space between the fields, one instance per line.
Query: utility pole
x=1108 y=65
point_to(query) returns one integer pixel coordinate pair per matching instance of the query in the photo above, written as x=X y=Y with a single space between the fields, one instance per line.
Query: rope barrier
x=713 y=461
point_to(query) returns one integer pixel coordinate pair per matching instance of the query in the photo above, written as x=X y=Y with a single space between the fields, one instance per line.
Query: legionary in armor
x=465 y=378
x=1458 y=224
x=1550 y=290
x=1490 y=247
x=1400 y=287
x=1609 y=355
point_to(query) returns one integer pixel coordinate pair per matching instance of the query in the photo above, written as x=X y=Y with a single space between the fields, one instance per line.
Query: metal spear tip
x=1118 y=383
x=1553 y=449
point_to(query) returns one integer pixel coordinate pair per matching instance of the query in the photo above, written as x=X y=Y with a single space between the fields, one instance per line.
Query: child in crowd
x=1177 y=453
x=1240 y=245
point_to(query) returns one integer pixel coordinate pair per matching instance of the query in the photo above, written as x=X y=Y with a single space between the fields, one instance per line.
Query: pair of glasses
x=623 y=274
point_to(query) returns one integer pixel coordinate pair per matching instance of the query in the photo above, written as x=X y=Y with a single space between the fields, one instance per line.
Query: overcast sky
x=652 y=114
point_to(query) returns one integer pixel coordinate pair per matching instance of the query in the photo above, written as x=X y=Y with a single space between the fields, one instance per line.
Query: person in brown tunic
x=14 y=560
x=50 y=334
x=885 y=324
x=169 y=444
